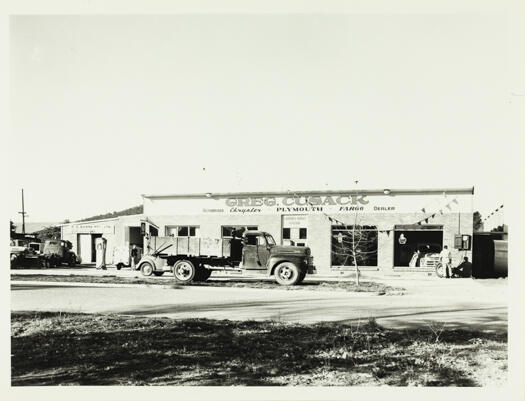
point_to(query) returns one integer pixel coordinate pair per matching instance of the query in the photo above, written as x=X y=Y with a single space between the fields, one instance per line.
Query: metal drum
x=500 y=258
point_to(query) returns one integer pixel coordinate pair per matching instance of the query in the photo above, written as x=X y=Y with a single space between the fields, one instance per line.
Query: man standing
x=445 y=257
x=134 y=254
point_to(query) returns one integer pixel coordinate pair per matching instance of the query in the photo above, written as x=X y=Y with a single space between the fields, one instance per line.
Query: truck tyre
x=146 y=269
x=119 y=266
x=202 y=274
x=287 y=273
x=72 y=261
x=158 y=274
x=302 y=275
x=184 y=271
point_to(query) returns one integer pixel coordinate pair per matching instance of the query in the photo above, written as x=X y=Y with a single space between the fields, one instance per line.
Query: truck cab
x=289 y=264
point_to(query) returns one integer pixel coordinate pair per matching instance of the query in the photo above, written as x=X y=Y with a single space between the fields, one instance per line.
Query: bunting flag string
x=493 y=213
x=424 y=209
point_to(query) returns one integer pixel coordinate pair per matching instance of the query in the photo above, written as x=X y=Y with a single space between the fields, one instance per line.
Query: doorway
x=93 y=247
x=409 y=239
x=84 y=247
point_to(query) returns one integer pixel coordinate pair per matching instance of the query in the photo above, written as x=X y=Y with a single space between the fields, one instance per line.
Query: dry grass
x=78 y=349
x=366 y=286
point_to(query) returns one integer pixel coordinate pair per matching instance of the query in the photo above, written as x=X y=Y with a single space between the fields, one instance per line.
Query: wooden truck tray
x=192 y=246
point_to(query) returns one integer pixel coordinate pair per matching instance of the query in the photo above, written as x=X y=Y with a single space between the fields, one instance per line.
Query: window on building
x=349 y=242
x=182 y=231
x=302 y=233
x=228 y=231
x=286 y=233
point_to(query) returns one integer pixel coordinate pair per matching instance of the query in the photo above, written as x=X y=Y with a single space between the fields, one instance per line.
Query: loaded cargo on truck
x=251 y=253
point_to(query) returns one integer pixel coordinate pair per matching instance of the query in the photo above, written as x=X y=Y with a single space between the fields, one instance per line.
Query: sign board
x=293 y=221
x=104 y=228
x=314 y=204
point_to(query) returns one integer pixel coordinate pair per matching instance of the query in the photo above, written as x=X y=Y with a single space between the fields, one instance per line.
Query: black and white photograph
x=263 y=201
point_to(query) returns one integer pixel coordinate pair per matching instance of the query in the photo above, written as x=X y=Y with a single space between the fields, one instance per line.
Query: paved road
x=480 y=304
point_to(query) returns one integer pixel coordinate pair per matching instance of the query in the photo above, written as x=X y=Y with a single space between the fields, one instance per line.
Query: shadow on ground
x=77 y=349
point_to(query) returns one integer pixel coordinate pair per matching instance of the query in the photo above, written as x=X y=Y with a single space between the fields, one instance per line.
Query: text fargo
x=299 y=201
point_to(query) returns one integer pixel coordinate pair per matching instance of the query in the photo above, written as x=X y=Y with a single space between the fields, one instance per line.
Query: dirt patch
x=365 y=286
x=78 y=349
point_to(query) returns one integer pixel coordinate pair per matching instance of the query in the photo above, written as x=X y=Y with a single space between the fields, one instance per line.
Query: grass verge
x=79 y=349
x=365 y=286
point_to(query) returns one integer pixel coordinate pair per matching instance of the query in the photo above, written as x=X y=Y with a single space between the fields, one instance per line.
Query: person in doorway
x=414 y=262
x=463 y=270
x=134 y=254
x=444 y=258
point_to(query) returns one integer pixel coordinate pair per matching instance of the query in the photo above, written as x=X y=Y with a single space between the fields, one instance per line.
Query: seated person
x=463 y=270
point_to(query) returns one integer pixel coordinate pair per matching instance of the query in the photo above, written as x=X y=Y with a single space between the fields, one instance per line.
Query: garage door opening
x=408 y=239
x=86 y=247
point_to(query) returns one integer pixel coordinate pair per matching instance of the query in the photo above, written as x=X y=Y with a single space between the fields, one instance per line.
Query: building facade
x=120 y=232
x=383 y=229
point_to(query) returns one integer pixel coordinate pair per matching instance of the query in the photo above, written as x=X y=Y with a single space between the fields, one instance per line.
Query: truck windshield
x=270 y=240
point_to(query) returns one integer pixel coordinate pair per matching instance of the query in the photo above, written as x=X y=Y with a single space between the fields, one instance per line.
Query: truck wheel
x=287 y=274
x=184 y=271
x=146 y=269
x=72 y=261
x=302 y=275
x=158 y=274
x=119 y=266
x=202 y=274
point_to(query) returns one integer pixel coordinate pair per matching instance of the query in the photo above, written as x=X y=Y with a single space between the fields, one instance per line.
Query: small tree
x=355 y=245
x=478 y=222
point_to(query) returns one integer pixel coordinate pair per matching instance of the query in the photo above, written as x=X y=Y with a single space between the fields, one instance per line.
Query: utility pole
x=23 y=213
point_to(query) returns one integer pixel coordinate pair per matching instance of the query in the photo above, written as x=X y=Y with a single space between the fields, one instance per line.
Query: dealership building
x=383 y=228
x=387 y=226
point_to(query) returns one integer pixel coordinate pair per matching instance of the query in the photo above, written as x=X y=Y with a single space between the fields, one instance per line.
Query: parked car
x=58 y=251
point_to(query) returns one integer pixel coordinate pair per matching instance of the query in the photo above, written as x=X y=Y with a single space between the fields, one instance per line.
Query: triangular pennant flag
x=501 y=206
x=441 y=211
x=426 y=220
x=423 y=210
x=388 y=233
x=419 y=223
x=434 y=215
x=455 y=201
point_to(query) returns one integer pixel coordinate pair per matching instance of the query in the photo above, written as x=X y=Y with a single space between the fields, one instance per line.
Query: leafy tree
x=51 y=232
x=478 y=222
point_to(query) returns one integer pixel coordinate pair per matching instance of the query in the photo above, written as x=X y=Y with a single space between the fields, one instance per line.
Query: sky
x=105 y=108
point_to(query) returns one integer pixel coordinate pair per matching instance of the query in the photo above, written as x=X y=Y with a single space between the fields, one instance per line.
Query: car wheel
x=184 y=271
x=440 y=270
x=119 y=266
x=146 y=268
x=287 y=274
